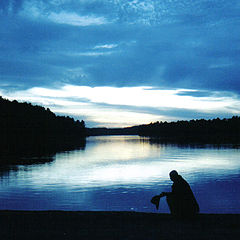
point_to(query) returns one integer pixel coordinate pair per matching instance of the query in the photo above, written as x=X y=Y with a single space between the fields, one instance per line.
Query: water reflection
x=123 y=173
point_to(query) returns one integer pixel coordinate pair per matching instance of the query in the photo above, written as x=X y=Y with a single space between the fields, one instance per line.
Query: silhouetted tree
x=215 y=130
x=27 y=128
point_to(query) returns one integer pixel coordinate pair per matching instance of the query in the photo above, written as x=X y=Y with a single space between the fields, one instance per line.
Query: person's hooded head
x=173 y=175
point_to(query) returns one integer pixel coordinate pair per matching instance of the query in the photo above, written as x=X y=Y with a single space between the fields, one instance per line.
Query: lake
x=122 y=173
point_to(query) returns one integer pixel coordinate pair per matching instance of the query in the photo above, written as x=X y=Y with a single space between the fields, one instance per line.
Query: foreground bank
x=115 y=225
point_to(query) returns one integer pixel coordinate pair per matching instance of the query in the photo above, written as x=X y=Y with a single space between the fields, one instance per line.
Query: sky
x=119 y=63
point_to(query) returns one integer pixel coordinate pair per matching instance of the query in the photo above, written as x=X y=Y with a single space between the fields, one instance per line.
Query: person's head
x=173 y=175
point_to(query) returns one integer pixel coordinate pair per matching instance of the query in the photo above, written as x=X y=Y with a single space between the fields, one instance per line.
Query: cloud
x=58 y=12
x=10 y=6
x=107 y=46
x=93 y=54
x=111 y=106
x=76 y=20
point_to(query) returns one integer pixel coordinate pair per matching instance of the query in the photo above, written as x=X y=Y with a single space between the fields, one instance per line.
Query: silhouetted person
x=181 y=200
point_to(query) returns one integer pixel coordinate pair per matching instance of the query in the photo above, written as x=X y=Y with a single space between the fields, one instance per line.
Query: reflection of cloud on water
x=125 y=162
x=122 y=148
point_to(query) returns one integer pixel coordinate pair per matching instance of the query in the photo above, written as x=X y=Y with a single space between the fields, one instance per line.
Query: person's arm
x=165 y=194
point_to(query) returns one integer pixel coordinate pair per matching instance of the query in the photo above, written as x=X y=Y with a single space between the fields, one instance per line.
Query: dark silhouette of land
x=201 y=131
x=26 y=129
x=217 y=131
x=59 y=225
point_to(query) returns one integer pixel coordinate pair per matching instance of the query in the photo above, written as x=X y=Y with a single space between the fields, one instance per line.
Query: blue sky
x=117 y=63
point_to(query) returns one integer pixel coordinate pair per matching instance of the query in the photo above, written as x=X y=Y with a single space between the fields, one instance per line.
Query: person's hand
x=162 y=194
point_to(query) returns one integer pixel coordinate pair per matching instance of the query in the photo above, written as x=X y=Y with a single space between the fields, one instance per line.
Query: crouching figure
x=181 y=200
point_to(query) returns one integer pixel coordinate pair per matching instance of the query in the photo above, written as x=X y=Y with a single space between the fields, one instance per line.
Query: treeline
x=204 y=131
x=26 y=128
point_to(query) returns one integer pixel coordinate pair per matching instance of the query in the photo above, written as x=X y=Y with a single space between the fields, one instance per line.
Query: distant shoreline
x=202 y=131
x=115 y=225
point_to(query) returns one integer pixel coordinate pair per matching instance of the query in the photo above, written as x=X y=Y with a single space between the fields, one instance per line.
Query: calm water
x=122 y=173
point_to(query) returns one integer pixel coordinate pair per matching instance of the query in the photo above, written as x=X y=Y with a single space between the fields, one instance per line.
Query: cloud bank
x=169 y=44
x=127 y=106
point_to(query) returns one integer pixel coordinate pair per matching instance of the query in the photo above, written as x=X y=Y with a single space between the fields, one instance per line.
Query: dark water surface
x=122 y=173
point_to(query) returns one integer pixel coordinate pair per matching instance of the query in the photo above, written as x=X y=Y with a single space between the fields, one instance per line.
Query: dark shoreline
x=115 y=225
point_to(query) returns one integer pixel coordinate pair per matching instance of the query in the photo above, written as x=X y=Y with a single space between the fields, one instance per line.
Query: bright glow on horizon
x=137 y=96
x=126 y=106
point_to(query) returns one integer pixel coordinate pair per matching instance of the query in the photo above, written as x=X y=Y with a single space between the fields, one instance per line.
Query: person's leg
x=171 y=204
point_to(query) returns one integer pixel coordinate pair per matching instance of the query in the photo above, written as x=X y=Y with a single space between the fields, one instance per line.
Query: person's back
x=181 y=200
